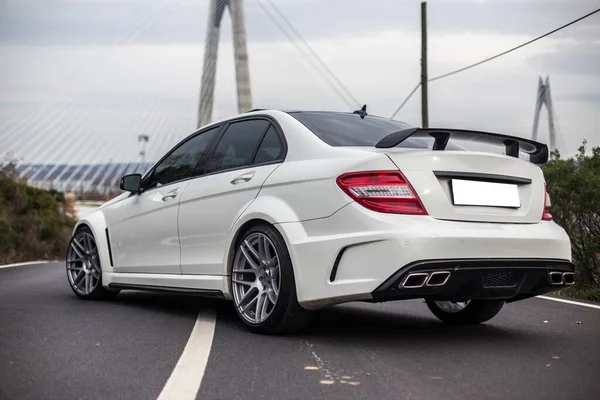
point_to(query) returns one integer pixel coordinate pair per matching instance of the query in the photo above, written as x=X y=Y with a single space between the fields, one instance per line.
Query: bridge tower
x=543 y=97
x=215 y=16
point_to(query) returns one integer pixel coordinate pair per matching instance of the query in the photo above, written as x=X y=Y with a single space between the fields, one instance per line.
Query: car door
x=247 y=152
x=144 y=226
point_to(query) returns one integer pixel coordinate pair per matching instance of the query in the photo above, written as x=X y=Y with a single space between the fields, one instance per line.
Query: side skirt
x=198 y=292
x=203 y=285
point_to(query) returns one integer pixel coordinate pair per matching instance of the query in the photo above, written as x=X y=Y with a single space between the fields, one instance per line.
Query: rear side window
x=181 y=163
x=271 y=148
x=342 y=129
x=237 y=146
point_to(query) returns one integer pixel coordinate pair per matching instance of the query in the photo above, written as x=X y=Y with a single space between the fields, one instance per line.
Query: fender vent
x=108 y=246
x=501 y=278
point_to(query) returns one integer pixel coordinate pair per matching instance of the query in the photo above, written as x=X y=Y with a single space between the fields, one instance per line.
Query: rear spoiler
x=538 y=152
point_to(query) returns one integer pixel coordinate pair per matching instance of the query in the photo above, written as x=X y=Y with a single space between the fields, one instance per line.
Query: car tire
x=472 y=312
x=84 y=271
x=285 y=315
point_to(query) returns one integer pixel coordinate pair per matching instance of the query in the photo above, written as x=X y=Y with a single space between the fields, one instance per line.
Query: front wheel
x=465 y=313
x=263 y=284
x=84 y=272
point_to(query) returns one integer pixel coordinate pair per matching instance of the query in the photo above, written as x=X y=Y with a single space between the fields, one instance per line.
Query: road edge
x=576 y=303
x=22 y=264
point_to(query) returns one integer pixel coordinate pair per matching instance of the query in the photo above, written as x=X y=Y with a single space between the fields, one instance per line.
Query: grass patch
x=583 y=293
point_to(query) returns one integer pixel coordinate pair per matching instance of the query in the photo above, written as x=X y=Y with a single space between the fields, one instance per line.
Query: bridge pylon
x=544 y=98
x=244 y=96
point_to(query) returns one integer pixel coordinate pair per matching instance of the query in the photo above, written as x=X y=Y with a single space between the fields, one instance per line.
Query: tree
x=574 y=188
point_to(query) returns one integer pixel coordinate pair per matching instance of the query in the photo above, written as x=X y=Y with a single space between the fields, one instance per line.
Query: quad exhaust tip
x=438 y=278
x=561 y=278
x=569 y=278
x=420 y=279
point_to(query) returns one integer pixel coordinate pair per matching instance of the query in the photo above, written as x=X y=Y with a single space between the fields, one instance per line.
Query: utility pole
x=424 y=94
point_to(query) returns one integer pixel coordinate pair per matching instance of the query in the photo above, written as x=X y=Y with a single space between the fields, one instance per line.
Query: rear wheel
x=465 y=313
x=84 y=272
x=263 y=284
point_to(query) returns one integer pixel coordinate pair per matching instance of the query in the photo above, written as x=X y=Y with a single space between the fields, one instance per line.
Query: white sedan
x=288 y=212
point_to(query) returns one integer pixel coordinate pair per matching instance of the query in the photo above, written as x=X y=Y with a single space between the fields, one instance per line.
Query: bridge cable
x=303 y=52
x=314 y=53
x=129 y=35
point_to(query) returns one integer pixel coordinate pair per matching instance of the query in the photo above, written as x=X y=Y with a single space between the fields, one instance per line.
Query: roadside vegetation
x=34 y=223
x=574 y=188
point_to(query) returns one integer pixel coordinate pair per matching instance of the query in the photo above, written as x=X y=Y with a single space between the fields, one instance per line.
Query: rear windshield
x=344 y=129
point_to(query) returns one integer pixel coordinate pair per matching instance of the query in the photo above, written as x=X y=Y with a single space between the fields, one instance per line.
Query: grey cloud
x=582 y=58
x=100 y=22
x=582 y=97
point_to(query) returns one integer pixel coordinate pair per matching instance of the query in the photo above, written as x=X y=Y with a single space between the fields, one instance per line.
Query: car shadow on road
x=183 y=305
x=362 y=323
x=355 y=322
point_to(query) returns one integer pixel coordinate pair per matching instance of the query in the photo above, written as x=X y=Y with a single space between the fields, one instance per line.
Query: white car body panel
x=188 y=242
x=207 y=211
x=435 y=193
x=380 y=244
x=144 y=229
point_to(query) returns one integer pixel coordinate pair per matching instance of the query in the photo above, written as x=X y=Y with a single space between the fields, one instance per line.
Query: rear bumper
x=460 y=280
x=353 y=253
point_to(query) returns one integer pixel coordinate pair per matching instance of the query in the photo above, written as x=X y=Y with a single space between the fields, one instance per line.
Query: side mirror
x=131 y=183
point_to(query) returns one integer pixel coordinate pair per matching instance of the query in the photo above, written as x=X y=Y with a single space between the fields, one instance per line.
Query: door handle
x=171 y=195
x=244 y=177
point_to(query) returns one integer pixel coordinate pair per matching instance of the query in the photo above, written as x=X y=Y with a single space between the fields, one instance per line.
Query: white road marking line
x=185 y=380
x=570 y=302
x=23 y=263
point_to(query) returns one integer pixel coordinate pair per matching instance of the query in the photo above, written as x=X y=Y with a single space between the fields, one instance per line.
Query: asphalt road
x=55 y=346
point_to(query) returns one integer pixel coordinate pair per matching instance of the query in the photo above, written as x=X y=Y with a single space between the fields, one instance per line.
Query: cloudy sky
x=80 y=79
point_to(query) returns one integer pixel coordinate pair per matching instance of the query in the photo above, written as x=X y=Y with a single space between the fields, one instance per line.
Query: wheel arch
x=264 y=210
x=96 y=222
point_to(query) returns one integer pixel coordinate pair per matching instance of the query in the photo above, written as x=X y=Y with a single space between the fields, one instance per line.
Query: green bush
x=32 y=223
x=574 y=188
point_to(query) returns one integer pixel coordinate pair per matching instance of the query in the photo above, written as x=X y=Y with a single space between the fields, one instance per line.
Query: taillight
x=546 y=215
x=382 y=191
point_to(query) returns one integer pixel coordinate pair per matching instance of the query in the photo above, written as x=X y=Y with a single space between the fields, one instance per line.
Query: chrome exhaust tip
x=568 y=278
x=556 y=278
x=415 y=280
x=438 y=278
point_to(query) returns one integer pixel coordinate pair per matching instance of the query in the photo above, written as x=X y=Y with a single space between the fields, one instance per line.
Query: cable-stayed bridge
x=73 y=145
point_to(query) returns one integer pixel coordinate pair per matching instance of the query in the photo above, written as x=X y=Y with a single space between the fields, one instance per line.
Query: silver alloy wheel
x=452 y=306
x=83 y=264
x=256 y=278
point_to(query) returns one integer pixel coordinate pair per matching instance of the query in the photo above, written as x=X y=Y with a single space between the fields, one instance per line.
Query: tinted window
x=270 y=148
x=236 y=147
x=182 y=162
x=341 y=129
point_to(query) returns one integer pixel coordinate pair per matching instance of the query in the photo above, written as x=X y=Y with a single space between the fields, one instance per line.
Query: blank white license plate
x=491 y=194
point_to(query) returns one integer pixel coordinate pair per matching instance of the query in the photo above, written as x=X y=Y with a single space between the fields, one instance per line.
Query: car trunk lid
x=473 y=186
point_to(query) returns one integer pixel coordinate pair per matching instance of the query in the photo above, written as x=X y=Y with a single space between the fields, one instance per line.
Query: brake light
x=382 y=191
x=546 y=215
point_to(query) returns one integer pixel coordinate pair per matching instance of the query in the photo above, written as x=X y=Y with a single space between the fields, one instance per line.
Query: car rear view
x=466 y=230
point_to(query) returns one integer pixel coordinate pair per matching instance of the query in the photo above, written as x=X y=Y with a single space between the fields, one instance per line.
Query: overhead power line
x=514 y=48
x=494 y=57
x=405 y=100
x=303 y=52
